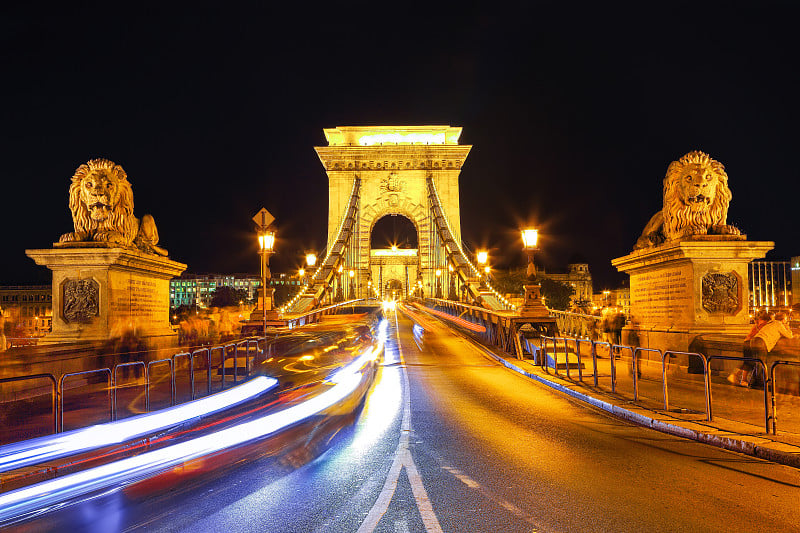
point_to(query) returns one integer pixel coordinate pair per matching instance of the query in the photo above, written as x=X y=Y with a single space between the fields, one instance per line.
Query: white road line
x=402 y=458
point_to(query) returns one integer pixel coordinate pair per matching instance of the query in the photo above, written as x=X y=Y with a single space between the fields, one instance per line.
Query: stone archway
x=393 y=290
x=393 y=164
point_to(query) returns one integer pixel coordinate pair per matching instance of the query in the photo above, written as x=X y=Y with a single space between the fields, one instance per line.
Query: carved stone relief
x=392 y=184
x=721 y=293
x=80 y=300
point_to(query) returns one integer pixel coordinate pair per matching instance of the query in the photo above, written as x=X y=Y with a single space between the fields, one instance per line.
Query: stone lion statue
x=101 y=201
x=696 y=200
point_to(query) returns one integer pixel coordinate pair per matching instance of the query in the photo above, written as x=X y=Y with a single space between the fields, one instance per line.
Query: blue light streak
x=43 y=449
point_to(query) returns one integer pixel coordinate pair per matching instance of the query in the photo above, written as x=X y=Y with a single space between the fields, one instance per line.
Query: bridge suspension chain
x=469 y=275
x=322 y=282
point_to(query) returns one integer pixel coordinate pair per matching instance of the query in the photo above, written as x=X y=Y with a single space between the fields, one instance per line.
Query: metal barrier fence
x=248 y=350
x=53 y=393
x=548 y=354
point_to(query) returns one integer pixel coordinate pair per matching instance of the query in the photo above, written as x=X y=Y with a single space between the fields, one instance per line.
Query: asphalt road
x=448 y=440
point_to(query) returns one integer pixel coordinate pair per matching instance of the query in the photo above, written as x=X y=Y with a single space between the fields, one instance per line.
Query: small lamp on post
x=482 y=257
x=451 y=284
x=311 y=262
x=352 y=288
x=266 y=247
x=532 y=305
x=438 y=282
x=339 y=291
x=530 y=238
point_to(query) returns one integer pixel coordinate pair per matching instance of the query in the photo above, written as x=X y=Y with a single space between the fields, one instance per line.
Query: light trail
x=18 y=503
x=43 y=449
x=402 y=459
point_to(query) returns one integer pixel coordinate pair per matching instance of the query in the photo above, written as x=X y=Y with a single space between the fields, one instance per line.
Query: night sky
x=574 y=112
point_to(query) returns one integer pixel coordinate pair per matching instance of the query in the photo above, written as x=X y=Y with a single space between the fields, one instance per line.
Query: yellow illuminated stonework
x=393 y=164
x=398 y=135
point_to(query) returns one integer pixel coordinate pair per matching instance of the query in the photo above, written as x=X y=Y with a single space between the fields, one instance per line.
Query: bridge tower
x=393 y=164
x=404 y=171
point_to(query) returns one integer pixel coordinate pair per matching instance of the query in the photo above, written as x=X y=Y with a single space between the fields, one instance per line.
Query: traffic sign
x=263 y=218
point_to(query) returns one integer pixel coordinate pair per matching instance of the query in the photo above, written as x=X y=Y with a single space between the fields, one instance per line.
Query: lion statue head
x=696 y=200
x=101 y=202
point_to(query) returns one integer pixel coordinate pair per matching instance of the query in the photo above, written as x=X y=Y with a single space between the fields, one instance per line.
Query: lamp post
x=482 y=257
x=266 y=244
x=311 y=261
x=451 y=282
x=339 y=291
x=530 y=238
x=352 y=288
x=532 y=305
x=438 y=282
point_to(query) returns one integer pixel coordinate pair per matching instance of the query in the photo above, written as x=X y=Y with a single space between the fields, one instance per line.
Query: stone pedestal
x=98 y=290
x=532 y=306
x=686 y=288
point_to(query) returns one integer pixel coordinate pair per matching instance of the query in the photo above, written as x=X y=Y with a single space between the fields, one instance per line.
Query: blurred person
x=607 y=326
x=764 y=341
x=762 y=318
x=617 y=323
x=3 y=345
x=742 y=375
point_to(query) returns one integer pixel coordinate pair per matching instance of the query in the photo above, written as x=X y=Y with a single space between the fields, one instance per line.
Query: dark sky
x=574 y=112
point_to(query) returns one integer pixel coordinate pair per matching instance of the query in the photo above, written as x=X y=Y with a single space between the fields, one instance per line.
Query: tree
x=227 y=297
x=556 y=294
x=510 y=282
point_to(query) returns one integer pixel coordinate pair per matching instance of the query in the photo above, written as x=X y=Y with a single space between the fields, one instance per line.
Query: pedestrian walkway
x=740 y=437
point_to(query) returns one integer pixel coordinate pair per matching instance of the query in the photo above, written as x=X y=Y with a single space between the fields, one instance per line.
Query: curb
x=776 y=452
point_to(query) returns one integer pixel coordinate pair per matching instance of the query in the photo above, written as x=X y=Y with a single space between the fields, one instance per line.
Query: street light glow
x=482 y=257
x=530 y=237
x=311 y=259
x=266 y=241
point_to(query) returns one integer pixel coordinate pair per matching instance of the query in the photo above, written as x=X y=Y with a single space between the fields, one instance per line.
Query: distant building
x=28 y=308
x=578 y=276
x=198 y=289
x=613 y=298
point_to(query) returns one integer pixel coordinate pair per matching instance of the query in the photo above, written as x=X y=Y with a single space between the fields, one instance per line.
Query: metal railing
x=63 y=378
x=53 y=392
x=547 y=356
x=248 y=349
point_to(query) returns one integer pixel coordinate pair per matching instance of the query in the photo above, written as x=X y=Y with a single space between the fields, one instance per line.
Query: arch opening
x=394 y=230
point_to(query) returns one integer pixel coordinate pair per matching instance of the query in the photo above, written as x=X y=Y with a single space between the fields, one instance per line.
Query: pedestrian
x=764 y=341
x=742 y=375
x=618 y=323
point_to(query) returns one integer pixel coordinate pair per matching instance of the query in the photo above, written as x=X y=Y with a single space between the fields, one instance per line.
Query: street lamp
x=451 y=282
x=530 y=238
x=311 y=259
x=532 y=305
x=266 y=244
x=339 y=291
x=482 y=257
x=352 y=275
x=438 y=282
